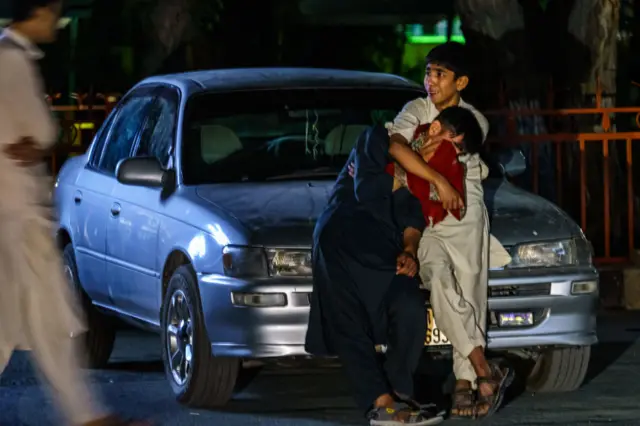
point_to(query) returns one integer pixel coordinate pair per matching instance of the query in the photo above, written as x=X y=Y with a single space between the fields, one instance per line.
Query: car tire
x=560 y=370
x=198 y=379
x=96 y=344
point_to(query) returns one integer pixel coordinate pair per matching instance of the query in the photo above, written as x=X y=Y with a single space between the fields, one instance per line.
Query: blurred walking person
x=37 y=308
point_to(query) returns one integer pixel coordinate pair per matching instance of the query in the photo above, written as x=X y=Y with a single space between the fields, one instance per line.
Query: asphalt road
x=308 y=394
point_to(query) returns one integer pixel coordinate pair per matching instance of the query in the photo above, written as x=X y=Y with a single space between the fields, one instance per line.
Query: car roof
x=278 y=78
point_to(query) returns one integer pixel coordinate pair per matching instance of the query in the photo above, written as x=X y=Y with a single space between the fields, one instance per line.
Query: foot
x=463 y=404
x=388 y=410
x=491 y=390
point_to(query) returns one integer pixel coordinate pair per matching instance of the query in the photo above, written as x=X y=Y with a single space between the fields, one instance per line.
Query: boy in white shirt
x=453 y=254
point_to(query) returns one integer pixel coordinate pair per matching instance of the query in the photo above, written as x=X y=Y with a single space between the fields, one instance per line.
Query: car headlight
x=256 y=262
x=289 y=263
x=571 y=252
x=244 y=262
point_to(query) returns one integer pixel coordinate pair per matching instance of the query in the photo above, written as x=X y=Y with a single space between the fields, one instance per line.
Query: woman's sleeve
x=372 y=155
x=411 y=215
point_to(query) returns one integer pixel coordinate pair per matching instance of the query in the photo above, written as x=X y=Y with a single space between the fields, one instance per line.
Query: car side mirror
x=512 y=162
x=142 y=171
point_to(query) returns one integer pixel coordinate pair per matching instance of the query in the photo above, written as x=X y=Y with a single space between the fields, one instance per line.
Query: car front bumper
x=560 y=317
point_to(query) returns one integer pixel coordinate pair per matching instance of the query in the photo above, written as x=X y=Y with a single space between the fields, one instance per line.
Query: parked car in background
x=192 y=212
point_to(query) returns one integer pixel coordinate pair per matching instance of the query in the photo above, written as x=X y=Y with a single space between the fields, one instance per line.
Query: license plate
x=434 y=337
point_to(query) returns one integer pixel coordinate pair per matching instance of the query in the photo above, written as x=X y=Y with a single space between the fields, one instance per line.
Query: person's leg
x=346 y=326
x=58 y=362
x=489 y=380
x=458 y=316
x=355 y=348
x=407 y=329
x=49 y=321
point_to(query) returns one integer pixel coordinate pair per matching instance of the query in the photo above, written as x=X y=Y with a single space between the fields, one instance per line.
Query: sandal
x=500 y=380
x=463 y=401
x=389 y=416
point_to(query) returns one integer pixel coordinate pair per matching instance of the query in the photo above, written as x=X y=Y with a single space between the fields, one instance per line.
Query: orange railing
x=617 y=146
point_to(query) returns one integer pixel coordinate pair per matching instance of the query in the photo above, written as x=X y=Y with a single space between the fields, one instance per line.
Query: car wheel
x=560 y=370
x=96 y=345
x=197 y=378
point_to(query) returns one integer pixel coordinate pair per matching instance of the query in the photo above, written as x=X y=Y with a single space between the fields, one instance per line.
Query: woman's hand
x=450 y=198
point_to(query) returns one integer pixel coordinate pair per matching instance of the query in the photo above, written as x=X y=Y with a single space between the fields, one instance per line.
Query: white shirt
x=422 y=111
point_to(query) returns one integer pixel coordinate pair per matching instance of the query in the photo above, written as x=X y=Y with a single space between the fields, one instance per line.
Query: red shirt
x=444 y=161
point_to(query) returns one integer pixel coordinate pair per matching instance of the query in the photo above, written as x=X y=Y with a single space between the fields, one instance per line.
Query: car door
x=132 y=235
x=91 y=200
x=118 y=145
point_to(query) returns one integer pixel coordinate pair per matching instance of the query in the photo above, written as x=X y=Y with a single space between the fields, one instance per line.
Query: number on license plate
x=434 y=337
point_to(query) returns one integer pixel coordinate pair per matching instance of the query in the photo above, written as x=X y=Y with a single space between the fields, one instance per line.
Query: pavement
x=313 y=393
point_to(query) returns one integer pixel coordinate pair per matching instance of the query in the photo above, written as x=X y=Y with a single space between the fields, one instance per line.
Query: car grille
x=522 y=290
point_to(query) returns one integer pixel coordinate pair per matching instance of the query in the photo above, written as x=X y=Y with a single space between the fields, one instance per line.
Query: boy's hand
x=451 y=199
x=406 y=265
x=352 y=170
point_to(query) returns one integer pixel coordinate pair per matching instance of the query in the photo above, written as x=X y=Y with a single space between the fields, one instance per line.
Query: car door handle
x=115 y=209
x=77 y=197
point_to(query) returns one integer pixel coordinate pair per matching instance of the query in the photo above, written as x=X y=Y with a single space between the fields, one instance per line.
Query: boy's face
x=442 y=85
x=438 y=133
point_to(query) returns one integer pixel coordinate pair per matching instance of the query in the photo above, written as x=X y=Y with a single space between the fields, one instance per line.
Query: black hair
x=450 y=55
x=460 y=121
x=22 y=10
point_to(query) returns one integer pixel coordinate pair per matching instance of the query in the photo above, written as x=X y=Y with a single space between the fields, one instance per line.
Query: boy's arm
x=401 y=131
x=413 y=163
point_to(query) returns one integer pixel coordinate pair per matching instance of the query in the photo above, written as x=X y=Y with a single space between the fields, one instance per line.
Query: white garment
x=38 y=310
x=455 y=257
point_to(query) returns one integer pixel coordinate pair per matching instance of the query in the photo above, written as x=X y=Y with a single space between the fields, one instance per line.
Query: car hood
x=284 y=213
x=517 y=216
x=274 y=214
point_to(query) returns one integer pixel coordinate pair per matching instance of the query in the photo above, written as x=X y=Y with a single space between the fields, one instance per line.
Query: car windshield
x=280 y=134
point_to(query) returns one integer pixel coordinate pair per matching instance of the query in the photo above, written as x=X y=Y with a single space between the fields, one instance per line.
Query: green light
x=433 y=39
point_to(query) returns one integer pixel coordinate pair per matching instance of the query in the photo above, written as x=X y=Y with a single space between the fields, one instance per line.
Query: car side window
x=101 y=137
x=158 y=133
x=123 y=132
